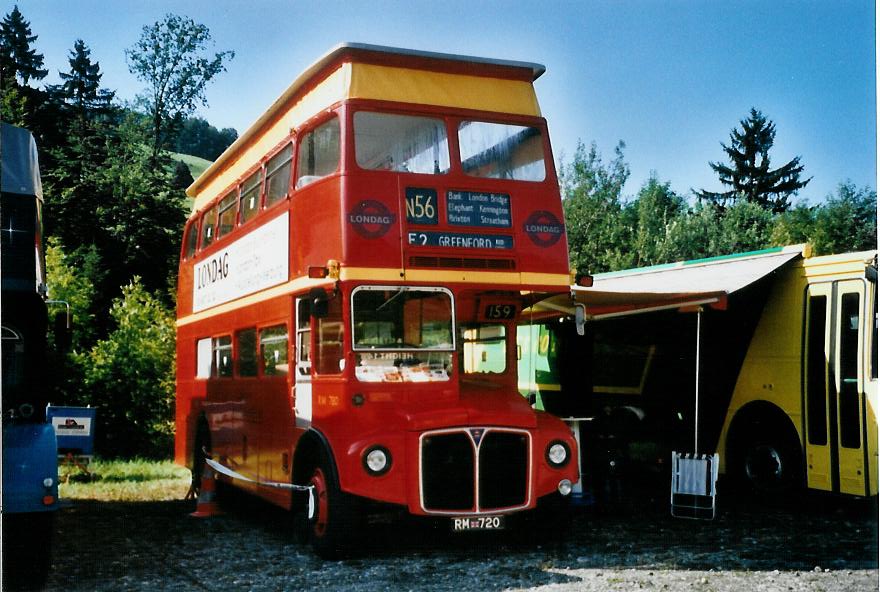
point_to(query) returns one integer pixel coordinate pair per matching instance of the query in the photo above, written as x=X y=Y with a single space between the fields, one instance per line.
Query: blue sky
x=669 y=78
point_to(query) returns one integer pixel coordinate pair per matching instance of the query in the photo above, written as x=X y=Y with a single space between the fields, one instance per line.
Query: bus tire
x=768 y=461
x=333 y=528
x=27 y=562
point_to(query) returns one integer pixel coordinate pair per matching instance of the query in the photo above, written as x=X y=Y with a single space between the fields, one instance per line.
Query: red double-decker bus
x=351 y=279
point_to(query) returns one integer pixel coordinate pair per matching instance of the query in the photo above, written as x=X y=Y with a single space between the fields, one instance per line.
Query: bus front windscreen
x=402 y=334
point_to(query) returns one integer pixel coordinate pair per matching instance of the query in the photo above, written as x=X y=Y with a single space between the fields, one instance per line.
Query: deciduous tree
x=171 y=57
x=592 y=202
x=130 y=375
x=651 y=216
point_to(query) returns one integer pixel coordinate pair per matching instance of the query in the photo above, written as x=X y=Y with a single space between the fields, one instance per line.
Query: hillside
x=196 y=165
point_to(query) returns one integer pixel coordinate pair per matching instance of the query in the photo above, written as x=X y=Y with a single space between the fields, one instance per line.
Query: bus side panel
x=315 y=225
x=771 y=369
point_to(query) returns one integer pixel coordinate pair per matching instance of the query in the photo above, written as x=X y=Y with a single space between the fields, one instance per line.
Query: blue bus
x=30 y=457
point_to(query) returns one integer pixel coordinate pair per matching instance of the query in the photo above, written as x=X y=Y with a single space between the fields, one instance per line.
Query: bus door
x=302 y=407
x=834 y=385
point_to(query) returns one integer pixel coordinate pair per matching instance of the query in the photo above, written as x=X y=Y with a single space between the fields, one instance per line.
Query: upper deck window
x=250 y=197
x=278 y=176
x=227 y=214
x=401 y=143
x=318 y=153
x=402 y=334
x=501 y=151
x=191 y=242
x=209 y=220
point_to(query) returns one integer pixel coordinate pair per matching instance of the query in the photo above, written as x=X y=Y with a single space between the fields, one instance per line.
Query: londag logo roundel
x=543 y=228
x=371 y=218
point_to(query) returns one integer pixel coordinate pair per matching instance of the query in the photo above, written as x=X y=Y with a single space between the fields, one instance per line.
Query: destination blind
x=471 y=208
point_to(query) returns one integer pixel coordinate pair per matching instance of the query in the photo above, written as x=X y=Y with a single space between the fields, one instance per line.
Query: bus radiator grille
x=504 y=465
x=448 y=466
x=450 y=473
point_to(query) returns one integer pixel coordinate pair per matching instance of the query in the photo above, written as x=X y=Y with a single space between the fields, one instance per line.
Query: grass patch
x=196 y=165
x=134 y=480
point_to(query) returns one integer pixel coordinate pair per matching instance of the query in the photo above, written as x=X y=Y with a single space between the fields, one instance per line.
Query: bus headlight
x=558 y=454
x=377 y=460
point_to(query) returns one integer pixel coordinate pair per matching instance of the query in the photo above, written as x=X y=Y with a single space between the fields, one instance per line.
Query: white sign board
x=72 y=426
x=254 y=262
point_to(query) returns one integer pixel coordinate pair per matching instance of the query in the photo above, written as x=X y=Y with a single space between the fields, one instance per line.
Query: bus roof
x=20 y=165
x=516 y=99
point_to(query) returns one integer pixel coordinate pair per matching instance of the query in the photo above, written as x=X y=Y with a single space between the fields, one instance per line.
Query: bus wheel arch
x=331 y=529
x=763 y=450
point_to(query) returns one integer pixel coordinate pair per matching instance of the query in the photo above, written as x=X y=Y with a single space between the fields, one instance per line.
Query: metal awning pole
x=697 y=384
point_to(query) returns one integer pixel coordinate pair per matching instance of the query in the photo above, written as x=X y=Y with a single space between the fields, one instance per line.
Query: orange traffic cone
x=206 y=505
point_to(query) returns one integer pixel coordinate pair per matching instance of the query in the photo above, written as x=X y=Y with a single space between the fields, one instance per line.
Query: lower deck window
x=247 y=352
x=484 y=349
x=222 y=357
x=273 y=350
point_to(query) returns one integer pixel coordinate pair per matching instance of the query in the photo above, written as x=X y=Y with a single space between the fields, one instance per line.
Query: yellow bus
x=768 y=358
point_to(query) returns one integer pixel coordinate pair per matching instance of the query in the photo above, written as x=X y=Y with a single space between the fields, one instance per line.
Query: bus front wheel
x=769 y=465
x=333 y=525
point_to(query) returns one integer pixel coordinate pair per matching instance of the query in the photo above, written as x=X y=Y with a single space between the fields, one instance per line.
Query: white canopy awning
x=685 y=284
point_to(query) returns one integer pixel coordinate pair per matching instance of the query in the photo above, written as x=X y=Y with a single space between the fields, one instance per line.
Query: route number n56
x=421 y=206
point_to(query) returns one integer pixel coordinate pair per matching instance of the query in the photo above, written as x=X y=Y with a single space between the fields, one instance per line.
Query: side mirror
x=580 y=318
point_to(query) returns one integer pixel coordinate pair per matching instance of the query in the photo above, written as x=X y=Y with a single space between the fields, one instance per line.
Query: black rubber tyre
x=768 y=463
x=27 y=546
x=334 y=528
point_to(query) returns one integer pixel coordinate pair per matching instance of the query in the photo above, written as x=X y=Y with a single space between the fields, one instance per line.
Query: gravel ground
x=822 y=544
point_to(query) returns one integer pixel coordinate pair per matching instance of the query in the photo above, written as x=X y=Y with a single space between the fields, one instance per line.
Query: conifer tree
x=17 y=58
x=72 y=176
x=82 y=84
x=749 y=174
